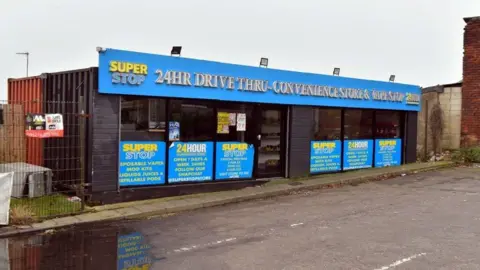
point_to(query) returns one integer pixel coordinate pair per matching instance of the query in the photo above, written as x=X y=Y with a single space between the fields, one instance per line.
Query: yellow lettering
x=140 y=147
x=143 y=69
x=127 y=67
x=234 y=146
x=113 y=66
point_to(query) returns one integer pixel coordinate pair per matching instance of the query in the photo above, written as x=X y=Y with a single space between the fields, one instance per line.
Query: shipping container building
x=68 y=93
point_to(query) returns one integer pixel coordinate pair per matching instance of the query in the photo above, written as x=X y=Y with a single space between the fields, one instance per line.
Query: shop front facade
x=170 y=123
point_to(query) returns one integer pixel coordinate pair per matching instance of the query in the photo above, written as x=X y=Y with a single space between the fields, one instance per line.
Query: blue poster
x=234 y=160
x=388 y=152
x=190 y=162
x=142 y=163
x=132 y=252
x=325 y=156
x=357 y=154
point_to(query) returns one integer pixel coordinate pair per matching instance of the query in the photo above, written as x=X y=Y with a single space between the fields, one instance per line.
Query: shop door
x=270 y=136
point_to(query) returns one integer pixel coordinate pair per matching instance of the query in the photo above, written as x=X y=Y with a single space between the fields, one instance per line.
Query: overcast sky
x=421 y=41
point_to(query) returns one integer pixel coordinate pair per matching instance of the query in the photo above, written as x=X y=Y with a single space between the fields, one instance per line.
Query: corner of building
x=471 y=83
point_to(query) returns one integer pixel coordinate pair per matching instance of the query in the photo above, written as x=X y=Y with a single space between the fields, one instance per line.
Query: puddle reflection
x=104 y=248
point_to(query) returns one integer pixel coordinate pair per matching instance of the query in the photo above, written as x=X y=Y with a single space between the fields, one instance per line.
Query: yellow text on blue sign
x=140 y=147
x=127 y=67
x=322 y=145
x=388 y=143
x=235 y=147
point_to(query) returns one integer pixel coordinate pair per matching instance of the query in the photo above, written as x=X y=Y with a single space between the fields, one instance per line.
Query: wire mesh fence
x=43 y=144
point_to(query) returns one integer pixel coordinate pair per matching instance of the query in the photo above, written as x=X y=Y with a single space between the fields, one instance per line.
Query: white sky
x=421 y=41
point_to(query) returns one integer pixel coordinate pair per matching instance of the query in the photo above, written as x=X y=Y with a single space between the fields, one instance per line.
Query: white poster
x=6 y=184
x=241 y=122
x=54 y=121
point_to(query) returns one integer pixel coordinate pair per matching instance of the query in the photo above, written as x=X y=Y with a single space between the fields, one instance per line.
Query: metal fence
x=43 y=143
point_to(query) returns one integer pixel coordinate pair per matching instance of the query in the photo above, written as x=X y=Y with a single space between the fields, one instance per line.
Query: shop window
x=327 y=124
x=194 y=121
x=387 y=124
x=358 y=124
x=143 y=119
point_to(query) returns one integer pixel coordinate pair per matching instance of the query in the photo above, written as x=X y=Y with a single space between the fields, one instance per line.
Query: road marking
x=296 y=224
x=397 y=263
x=189 y=248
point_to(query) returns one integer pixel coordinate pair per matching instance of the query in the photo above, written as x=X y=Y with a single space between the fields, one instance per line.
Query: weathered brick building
x=471 y=83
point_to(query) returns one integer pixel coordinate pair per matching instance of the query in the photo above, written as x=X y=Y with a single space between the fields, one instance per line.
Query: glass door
x=270 y=143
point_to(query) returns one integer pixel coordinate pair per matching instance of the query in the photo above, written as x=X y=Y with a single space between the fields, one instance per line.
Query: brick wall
x=471 y=83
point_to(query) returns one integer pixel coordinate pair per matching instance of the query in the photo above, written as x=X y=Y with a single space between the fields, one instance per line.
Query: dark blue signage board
x=357 y=154
x=132 y=73
x=388 y=152
x=325 y=156
x=142 y=163
x=190 y=162
x=234 y=160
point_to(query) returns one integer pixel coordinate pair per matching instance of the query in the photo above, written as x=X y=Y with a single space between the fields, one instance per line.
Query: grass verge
x=45 y=206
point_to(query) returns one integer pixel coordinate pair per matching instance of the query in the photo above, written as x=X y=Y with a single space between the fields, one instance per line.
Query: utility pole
x=27 y=54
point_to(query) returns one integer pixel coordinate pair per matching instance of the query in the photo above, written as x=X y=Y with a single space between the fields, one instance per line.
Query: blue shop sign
x=388 y=152
x=325 y=156
x=132 y=73
x=190 y=162
x=142 y=163
x=234 y=160
x=357 y=154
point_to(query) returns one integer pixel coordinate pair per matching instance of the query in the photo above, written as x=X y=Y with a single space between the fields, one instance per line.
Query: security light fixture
x=392 y=78
x=336 y=72
x=263 y=62
x=101 y=49
x=176 y=50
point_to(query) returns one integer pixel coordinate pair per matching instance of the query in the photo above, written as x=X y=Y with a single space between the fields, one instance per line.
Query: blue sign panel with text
x=132 y=73
x=142 y=163
x=234 y=160
x=190 y=162
x=325 y=156
x=388 y=152
x=357 y=154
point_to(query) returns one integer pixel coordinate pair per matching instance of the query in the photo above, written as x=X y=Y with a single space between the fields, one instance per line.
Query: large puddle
x=108 y=247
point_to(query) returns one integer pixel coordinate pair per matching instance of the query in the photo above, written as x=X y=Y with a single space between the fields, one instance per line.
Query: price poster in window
x=223 y=123
x=232 y=119
x=241 y=122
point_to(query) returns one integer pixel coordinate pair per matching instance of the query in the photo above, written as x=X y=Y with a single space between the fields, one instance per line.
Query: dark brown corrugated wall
x=29 y=93
x=62 y=92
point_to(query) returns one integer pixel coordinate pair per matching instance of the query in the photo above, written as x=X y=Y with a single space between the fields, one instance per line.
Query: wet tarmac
x=423 y=221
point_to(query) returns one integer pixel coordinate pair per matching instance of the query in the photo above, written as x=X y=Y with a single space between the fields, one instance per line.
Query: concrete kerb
x=133 y=211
